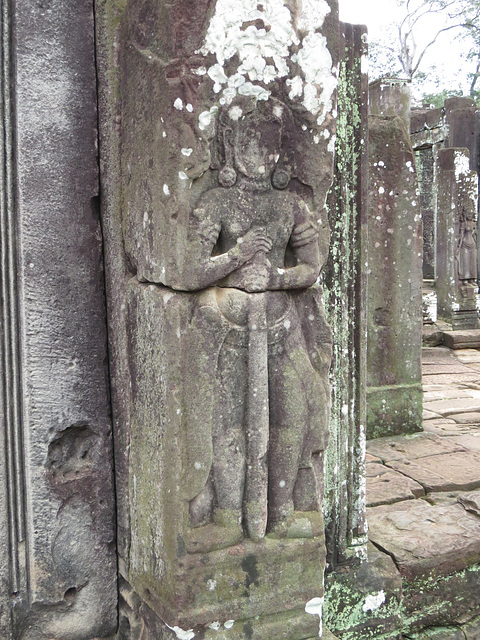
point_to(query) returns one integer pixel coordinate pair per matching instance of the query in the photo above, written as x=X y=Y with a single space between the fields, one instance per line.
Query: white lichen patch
x=178 y=104
x=462 y=164
x=166 y=189
x=374 y=601
x=258 y=36
x=205 y=119
x=315 y=608
x=187 y=152
x=181 y=633
x=215 y=626
x=229 y=624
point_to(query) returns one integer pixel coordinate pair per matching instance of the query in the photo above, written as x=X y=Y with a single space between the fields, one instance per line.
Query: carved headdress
x=247 y=111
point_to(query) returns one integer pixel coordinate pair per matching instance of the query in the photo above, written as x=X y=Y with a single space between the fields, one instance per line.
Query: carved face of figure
x=256 y=149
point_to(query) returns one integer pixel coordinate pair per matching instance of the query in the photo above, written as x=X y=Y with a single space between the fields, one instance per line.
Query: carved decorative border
x=9 y=333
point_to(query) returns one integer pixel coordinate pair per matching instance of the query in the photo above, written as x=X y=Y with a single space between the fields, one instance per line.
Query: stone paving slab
x=422 y=538
x=435 y=355
x=450 y=392
x=470 y=440
x=470 y=502
x=385 y=486
x=468 y=356
x=452 y=406
x=448 y=378
x=449 y=472
x=467 y=418
x=445 y=427
x=430 y=415
x=446 y=368
x=376 y=468
x=417 y=445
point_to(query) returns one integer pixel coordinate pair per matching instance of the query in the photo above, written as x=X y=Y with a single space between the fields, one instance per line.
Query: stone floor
x=422 y=580
x=423 y=494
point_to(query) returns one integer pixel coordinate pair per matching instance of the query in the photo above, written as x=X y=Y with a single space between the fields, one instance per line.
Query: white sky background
x=445 y=54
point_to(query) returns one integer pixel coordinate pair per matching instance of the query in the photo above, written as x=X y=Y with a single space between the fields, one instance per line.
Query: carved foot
x=225 y=531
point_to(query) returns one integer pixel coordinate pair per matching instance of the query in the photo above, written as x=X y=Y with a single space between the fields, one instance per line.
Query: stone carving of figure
x=466 y=251
x=256 y=366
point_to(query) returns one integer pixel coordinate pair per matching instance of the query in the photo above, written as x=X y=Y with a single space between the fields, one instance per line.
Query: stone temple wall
x=173 y=452
x=57 y=537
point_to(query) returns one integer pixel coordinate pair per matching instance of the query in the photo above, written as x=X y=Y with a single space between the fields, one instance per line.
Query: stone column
x=391 y=97
x=346 y=290
x=462 y=127
x=394 y=394
x=425 y=164
x=456 y=261
x=218 y=133
x=58 y=559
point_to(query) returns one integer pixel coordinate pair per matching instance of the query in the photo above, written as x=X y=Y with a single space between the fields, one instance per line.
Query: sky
x=377 y=14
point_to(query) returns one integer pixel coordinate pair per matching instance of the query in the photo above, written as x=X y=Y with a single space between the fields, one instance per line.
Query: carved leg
x=229 y=445
x=288 y=420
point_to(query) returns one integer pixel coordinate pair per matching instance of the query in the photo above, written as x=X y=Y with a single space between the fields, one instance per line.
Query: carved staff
x=256 y=484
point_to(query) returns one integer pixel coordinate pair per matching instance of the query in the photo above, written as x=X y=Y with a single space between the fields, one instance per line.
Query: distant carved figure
x=259 y=345
x=466 y=252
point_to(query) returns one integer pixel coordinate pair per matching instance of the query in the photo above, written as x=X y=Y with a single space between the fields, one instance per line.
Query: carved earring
x=227 y=176
x=280 y=179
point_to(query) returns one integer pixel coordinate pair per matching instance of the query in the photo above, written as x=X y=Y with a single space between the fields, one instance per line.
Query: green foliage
x=438 y=99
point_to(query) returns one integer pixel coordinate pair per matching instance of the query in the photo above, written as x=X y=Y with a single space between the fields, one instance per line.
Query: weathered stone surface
x=453 y=405
x=430 y=415
x=469 y=439
x=388 y=487
x=364 y=601
x=411 y=447
x=441 y=600
x=425 y=163
x=54 y=367
x=470 y=501
x=394 y=393
x=345 y=289
x=456 y=250
x=472 y=630
x=466 y=418
x=440 y=633
x=468 y=356
x=448 y=472
x=425 y=539
x=461 y=118
x=466 y=339
x=391 y=97
x=431 y=335
x=216 y=231
x=426 y=120
x=451 y=378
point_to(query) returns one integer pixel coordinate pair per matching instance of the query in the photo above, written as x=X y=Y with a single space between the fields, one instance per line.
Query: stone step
x=462 y=339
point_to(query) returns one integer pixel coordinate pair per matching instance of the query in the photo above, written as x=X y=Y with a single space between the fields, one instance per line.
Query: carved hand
x=257 y=274
x=255 y=241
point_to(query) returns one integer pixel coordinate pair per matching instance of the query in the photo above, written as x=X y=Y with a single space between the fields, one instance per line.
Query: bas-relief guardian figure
x=259 y=348
x=466 y=247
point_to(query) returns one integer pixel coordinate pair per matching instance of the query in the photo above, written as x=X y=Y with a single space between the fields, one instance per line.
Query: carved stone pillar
x=346 y=287
x=456 y=257
x=218 y=125
x=57 y=562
